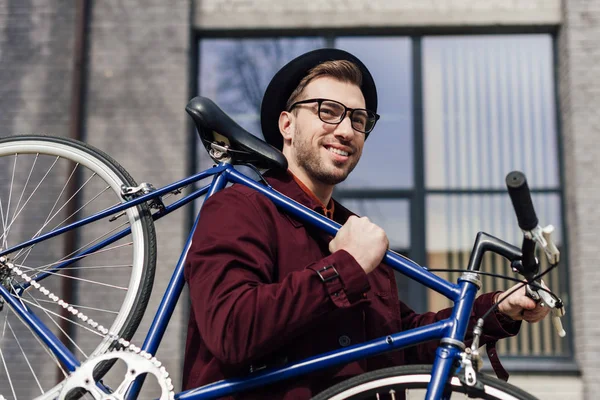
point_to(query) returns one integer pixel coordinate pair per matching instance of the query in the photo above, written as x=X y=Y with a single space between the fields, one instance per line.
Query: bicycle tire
x=416 y=377
x=102 y=179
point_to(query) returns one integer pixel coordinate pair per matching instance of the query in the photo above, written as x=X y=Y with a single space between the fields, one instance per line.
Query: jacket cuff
x=344 y=279
x=497 y=325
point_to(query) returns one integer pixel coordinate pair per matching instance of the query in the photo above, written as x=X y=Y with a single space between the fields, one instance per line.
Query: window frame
x=417 y=195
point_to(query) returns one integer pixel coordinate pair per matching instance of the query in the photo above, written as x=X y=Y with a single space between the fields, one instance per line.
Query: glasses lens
x=363 y=120
x=331 y=112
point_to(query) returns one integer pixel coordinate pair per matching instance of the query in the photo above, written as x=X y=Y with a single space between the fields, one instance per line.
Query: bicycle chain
x=95 y=325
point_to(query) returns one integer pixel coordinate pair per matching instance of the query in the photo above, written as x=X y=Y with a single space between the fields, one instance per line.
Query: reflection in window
x=391 y=215
x=489 y=109
x=234 y=73
x=387 y=160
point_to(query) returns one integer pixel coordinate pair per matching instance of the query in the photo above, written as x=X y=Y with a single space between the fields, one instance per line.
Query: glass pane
x=489 y=109
x=390 y=144
x=234 y=73
x=452 y=224
x=390 y=214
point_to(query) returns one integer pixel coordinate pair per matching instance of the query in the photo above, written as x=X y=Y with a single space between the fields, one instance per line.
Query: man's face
x=326 y=153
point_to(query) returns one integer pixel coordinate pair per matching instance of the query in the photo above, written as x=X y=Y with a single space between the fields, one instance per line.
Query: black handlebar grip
x=521 y=200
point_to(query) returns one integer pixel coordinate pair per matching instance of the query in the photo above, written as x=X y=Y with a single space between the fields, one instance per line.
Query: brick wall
x=36 y=44
x=232 y=14
x=36 y=58
x=138 y=87
x=580 y=101
x=137 y=92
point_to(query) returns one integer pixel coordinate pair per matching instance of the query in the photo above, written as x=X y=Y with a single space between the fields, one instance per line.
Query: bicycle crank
x=137 y=364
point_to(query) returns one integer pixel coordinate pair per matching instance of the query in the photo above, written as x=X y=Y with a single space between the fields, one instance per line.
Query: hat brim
x=286 y=80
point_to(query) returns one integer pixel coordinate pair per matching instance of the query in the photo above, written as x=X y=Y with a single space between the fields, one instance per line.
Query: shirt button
x=344 y=341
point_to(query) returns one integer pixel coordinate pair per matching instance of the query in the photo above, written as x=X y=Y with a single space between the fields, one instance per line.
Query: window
x=458 y=114
x=489 y=110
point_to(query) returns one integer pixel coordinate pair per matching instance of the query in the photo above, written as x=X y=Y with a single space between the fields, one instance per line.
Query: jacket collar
x=284 y=183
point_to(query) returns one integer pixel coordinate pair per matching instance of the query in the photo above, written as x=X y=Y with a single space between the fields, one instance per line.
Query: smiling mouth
x=338 y=151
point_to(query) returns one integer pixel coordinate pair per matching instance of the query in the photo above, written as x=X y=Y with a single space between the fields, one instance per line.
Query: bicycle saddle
x=214 y=126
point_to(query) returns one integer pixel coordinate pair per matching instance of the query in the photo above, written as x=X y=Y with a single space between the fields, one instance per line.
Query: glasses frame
x=320 y=101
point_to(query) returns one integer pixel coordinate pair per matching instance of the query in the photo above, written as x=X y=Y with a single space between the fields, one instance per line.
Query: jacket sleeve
x=242 y=311
x=495 y=327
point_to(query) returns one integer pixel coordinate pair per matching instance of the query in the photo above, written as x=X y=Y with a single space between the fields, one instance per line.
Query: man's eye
x=360 y=119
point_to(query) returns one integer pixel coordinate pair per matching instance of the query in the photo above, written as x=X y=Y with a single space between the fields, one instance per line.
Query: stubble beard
x=310 y=160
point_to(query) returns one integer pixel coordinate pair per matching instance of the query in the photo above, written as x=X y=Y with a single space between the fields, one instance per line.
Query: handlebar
x=520 y=196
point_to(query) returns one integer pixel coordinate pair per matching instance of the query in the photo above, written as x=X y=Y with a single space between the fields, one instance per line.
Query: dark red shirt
x=256 y=299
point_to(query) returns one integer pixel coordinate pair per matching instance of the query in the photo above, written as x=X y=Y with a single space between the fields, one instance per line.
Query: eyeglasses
x=334 y=112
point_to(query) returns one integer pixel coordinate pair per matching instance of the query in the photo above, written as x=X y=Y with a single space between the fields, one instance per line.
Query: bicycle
x=111 y=198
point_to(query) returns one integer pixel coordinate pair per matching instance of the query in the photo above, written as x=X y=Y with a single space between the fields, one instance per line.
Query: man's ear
x=286 y=125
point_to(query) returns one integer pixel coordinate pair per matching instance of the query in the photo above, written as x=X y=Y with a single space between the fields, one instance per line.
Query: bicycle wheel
x=46 y=183
x=409 y=382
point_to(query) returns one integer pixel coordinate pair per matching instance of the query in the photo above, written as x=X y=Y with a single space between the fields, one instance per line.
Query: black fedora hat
x=287 y=79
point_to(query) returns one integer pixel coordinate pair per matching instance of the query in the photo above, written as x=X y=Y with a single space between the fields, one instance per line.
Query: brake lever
x=543 y=238
x=547 y=300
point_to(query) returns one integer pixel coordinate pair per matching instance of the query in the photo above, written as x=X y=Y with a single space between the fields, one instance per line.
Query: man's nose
x=344 y=128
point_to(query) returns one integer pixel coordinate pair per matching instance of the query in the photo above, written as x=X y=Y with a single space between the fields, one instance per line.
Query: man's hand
x=519 y=306
x=364 y=240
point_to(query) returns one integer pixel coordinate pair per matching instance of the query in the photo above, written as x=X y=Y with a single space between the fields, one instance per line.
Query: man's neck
x=321 y=191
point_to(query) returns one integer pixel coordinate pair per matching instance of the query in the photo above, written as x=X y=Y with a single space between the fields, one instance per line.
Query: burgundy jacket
x=257 y=300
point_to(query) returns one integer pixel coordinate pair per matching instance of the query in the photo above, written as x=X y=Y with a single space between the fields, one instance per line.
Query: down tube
x=399 y=263
x=172 y=293
x=346 y=355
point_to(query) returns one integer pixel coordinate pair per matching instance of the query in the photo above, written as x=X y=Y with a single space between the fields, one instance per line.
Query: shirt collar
x=327 y=211
x=288 y=184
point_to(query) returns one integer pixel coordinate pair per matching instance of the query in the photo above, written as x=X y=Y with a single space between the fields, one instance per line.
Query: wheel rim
x=108 y=280
x=412 y=386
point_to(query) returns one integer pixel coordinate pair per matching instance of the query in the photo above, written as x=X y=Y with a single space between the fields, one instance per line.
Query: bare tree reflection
x=247 y=66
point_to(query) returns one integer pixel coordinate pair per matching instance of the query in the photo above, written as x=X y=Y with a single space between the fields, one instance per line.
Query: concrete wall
x=249 y=14
x=579 y=68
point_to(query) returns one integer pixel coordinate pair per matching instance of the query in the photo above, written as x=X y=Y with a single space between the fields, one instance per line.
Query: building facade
x=481 y=87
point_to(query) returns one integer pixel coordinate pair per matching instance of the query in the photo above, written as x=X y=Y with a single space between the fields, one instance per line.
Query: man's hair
x=342 y=70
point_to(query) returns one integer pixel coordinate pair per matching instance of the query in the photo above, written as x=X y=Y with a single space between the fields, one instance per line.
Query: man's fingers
x=527 y=303
x=536 y=314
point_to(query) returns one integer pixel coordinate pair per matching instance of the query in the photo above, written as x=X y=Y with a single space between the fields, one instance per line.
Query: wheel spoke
x=10 y=190
x=79 y=306
x=12 y=388
x=33 y=192
x=43 y=268
x=48 y=218
x=45 y=195
x=96 y=240
x=10 y=222
x=76 y=278
x=26 y=358
x=43 y=346
x=47 y=312
x=38 y=233
x=72 y=197
x=65 y=318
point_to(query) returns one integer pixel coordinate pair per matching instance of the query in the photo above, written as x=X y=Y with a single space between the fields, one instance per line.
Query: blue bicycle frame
x=451 y=331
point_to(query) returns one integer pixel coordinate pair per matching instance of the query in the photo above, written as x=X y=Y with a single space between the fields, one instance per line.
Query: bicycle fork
x=452 y=346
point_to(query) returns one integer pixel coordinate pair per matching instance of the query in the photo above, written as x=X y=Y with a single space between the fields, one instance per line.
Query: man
x=256 y=275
